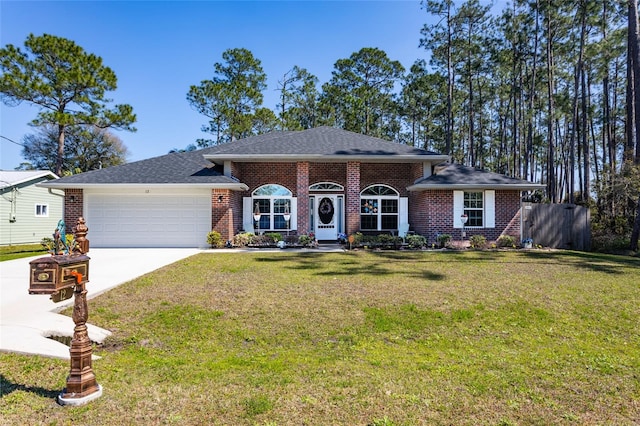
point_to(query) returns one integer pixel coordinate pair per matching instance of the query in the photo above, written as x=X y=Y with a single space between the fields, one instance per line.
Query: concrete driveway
x=26 y=320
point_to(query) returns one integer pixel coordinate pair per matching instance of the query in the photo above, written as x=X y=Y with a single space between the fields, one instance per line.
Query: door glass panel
x=326 y=211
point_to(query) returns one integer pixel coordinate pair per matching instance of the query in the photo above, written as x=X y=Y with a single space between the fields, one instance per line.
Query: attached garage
x=148 y=217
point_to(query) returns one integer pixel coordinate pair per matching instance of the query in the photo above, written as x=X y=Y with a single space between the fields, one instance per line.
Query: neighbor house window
x=272 y=201
x=474 y=208
x=42 y=210
x=379 y=208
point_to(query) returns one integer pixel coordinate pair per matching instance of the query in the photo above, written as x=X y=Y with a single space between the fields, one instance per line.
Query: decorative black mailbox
x=58 y=275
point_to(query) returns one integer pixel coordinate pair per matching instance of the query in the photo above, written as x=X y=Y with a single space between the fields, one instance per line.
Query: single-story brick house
x=323 y=180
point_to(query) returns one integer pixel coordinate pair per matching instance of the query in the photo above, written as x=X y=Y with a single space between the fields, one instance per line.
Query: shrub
x=415 y=241
x=47 y=244
x=443 y=239
x=506 y=241
x=275 y=236
x=478 y=241
x=305 y=240
x=262 y=240
x=214 y=239
x=387 y=240
x=50 y=245
x=243 y=239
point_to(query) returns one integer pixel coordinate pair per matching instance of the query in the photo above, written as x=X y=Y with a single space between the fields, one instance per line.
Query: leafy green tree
x=423 y=105
x=361 y=92
x=438 y=38
x=298 y=99
x=208 y=100
x=231 y=98
x=67 y=83
x=86 y=148
x=264 y=121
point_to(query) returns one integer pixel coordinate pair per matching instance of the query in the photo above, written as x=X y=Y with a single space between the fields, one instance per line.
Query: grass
x=20 y=251
x=357 y=338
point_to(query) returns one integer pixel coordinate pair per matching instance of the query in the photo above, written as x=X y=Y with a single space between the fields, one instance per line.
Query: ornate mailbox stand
x=62 y=276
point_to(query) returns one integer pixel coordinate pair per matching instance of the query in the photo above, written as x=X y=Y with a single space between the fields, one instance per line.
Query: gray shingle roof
x=325 y=143
x=457 y=176
x=175 y=168
x=196 y=167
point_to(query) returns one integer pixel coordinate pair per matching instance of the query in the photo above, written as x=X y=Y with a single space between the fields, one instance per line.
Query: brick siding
x=430 y=212
x=73 y=204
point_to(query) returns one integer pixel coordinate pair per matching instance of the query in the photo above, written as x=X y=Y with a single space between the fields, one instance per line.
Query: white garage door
x=148 y=220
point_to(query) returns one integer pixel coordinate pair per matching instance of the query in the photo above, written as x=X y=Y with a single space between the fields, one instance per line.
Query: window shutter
x=490 y=208
x=403 y=215
x=458 y=208
x=247 y=214
x=293 y=222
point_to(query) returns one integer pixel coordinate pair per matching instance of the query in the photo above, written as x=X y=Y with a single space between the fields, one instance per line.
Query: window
x=326 y=186
x=479 y=206
x=42 y=210
x=379 y=208
x=474 y=209
x=272 y=203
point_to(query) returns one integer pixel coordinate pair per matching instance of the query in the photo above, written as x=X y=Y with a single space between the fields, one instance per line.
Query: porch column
x=302 y=193
x=353 y=197
x=221 y=213
x=73 y=206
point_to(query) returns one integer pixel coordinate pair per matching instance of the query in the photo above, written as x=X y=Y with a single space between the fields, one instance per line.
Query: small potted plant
x=527 y=243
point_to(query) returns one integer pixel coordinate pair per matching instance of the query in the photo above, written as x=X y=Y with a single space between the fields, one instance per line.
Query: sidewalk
x=26 y=320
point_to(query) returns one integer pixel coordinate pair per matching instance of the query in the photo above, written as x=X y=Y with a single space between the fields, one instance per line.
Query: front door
x=327 y=217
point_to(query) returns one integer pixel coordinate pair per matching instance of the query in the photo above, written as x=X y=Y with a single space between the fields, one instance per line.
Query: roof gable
x=19 y=177
x=457 y=176
x=321 y=143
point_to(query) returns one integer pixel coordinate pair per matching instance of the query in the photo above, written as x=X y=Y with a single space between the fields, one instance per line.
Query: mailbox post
x=63 y=276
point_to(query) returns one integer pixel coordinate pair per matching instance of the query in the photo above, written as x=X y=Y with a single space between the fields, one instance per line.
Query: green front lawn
x=20 y=251
x=357 y=338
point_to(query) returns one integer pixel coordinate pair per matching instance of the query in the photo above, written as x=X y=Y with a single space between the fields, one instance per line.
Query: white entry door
x=327 y=214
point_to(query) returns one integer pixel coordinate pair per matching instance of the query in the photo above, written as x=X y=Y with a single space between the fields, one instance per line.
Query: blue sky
x=159 y=49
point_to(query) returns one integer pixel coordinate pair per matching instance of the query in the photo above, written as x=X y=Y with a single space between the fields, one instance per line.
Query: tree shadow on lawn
x=597 y=262
x=350 y=265
x=7 y=387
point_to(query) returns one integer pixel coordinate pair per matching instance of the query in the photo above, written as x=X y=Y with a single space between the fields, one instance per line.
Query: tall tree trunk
x=586 y=154
x=634 y=42
x=532 y=91
x=449 y=126
x=60 y=151
x=575 y=127
x=472 y=153
x=551 y=175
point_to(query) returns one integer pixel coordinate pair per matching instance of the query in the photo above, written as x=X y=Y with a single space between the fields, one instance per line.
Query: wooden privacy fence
x=565 y=226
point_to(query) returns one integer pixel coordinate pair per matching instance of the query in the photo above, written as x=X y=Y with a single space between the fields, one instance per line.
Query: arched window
x=272 y=203
x=326 y=186
x=379 y=208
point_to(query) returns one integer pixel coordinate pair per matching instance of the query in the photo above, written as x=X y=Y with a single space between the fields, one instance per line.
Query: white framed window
x=42 y=210
x=272 y=204
x=379 y=208
x=478 y=205
x=473 y=207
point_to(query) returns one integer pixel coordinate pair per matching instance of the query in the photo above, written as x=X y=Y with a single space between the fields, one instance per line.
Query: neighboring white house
x=28 y=212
